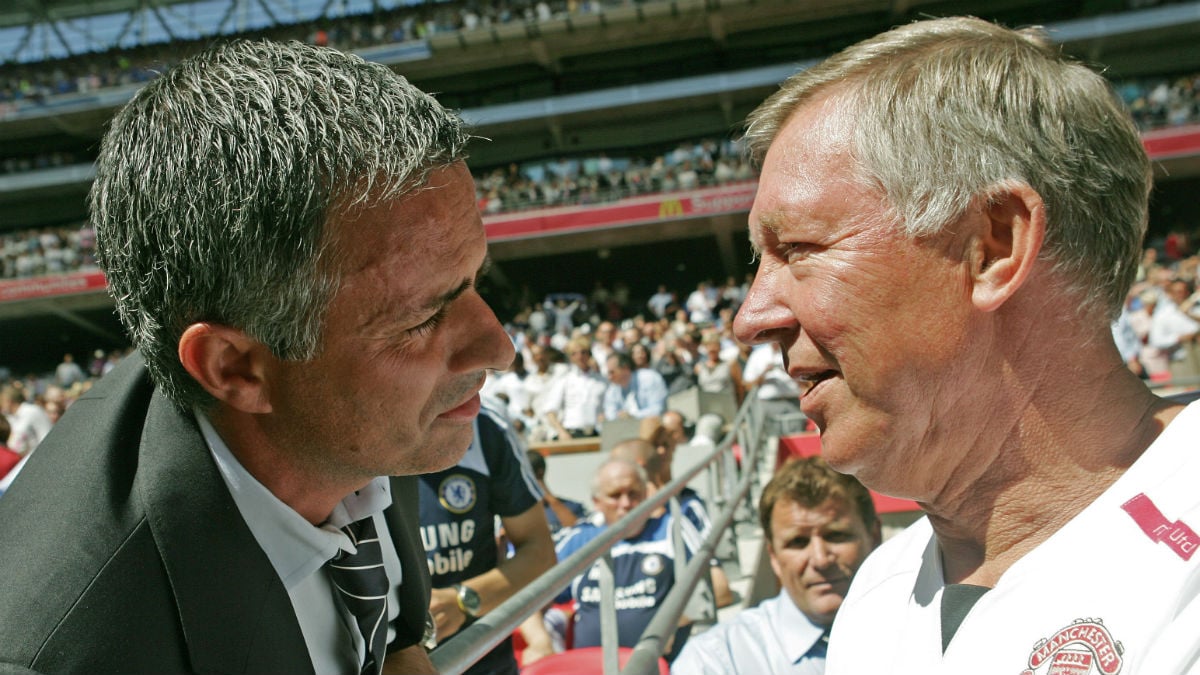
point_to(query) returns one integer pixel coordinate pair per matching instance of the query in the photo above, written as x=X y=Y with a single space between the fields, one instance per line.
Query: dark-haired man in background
x=293 y=243
x=819 y=526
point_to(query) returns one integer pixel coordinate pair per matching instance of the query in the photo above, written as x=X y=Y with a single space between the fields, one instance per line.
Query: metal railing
x=730 y=488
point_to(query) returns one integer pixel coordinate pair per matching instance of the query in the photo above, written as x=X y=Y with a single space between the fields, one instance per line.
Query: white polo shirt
x=1113 y=592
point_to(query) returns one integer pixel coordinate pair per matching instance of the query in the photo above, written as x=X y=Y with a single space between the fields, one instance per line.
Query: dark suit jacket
x=122 y=550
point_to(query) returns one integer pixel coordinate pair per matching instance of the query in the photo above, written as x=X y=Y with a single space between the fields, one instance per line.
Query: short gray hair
x=214 y=185
x=949 y=111
x=597 y=478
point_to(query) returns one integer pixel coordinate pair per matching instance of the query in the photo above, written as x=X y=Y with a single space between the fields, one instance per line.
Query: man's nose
x=821 y=554
x=764 y=316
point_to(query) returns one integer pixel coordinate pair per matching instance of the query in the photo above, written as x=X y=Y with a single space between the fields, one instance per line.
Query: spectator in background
x=1185 y=361
x=1172 y=335
x=701 y=303
x=9 y=458
x=1126 y=338
x=547 y=368
x=1179 y=291
x=560 y=511
x=661 y=301
x=571 y=406
x=603 y=339
x=654 y=452
x=68 y=372
x=27 y=421
x=310 y=336
x=633 y=393
x=674 y=431
x=819 y=526
x=509 y=386
x=111 y=361
x=676 y=373
x=1165 y=332
x=639 y=353
x=562 y=308
x=715 y=374
x=710 y=430
x=459 y=507
x=777 y=393
x=96 y=367
x=643 y=564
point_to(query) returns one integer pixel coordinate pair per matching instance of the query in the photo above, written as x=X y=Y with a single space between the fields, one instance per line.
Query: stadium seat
x=809 y=443
x=8 y=459
x=583 y=661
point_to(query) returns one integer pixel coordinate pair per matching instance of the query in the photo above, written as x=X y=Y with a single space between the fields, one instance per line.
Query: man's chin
x=442 y=449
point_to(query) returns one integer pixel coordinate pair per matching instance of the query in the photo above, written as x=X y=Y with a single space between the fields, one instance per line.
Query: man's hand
x=443 y=605
x=538 y=643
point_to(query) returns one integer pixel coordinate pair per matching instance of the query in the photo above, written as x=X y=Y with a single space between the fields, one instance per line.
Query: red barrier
x=582 y=661
x=809 y=444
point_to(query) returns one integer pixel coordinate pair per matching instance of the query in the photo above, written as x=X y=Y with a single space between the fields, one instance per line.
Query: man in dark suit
x=292 y=239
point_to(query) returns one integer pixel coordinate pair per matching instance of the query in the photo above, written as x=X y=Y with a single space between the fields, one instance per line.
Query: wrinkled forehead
x=616 y=478
x=835 y=510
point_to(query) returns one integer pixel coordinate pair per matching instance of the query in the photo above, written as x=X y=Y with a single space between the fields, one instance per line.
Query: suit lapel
x=236 y=615
x=402 y=524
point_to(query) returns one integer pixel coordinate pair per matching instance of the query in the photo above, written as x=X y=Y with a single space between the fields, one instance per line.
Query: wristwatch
x=468 y=600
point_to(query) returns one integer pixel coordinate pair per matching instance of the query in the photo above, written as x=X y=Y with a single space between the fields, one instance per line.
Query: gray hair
x=641 y=474
x=949 y=111
x=215 y=183
x=710 y=426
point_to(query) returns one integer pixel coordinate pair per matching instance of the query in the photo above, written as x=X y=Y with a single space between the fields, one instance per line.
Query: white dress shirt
x=299 y=550
x=775 y=638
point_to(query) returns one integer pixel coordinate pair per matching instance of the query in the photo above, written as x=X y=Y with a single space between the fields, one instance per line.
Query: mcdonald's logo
x=670 y=208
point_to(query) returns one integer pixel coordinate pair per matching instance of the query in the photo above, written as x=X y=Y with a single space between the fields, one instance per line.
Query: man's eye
x=793 y=251
x=430 y=324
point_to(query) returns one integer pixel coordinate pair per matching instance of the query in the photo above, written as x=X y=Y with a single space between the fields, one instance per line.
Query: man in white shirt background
x=819 y=526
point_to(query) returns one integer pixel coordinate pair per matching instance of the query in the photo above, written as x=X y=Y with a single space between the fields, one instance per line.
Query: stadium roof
x=35 y=30
x=27 y=12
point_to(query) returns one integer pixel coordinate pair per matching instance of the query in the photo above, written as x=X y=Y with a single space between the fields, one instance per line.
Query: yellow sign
x=671 y=208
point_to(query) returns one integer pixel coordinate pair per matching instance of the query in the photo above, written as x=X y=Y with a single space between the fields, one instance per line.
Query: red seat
x=809 y=444
x=583 y=661
x=8 y=459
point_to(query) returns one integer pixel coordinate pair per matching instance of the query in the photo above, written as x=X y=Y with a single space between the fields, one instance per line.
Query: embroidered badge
x=652 y=564
x=457 y=493
x=1177 y=535
x=1083 y=648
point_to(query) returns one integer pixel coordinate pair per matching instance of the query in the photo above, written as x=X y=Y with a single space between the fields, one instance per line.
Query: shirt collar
x=295 y=547
x=799 y=635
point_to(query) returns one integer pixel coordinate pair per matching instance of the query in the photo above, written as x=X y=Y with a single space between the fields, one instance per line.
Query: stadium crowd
x=560 y=182
x=36 y=82
x=1156 y=101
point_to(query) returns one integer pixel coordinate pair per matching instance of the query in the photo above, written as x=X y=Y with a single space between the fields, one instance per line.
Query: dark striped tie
x=362 y=585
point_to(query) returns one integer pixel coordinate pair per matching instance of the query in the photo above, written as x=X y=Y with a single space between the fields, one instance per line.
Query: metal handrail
x=653 y=642
x=473 y=642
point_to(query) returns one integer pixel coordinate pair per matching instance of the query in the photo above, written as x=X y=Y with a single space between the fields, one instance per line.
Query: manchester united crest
x=1083 y=648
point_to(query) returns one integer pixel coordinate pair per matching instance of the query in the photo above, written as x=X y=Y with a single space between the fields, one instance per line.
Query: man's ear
x=229 y=364
x=1011 y=228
